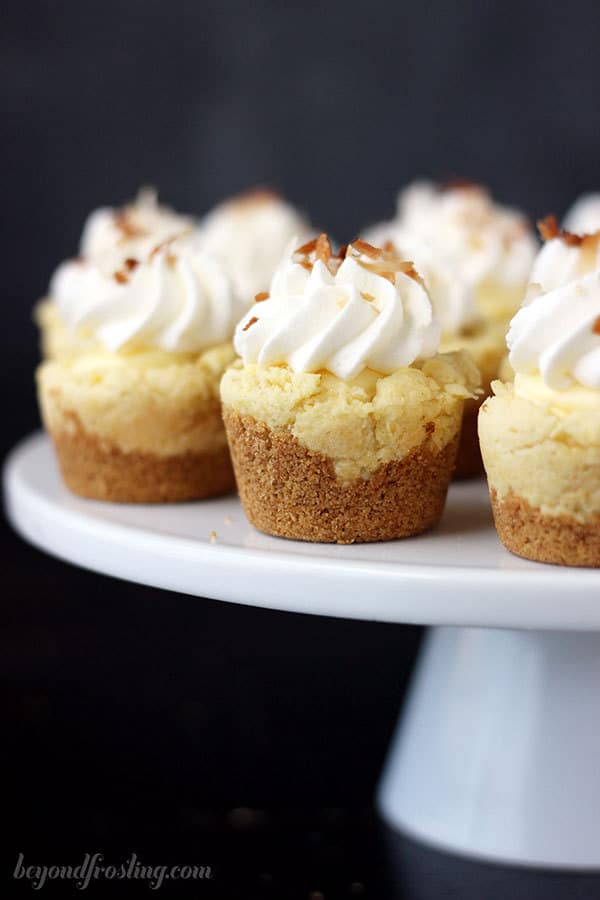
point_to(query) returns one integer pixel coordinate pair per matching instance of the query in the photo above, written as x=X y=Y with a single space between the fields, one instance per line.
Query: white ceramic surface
x=458 y=574
x=498 y=752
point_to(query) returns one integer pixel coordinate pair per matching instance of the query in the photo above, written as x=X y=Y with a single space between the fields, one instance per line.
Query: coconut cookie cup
x=342 y=420
x=130 y=395
x=139 y=427
x=540 y=436
x=475 y=256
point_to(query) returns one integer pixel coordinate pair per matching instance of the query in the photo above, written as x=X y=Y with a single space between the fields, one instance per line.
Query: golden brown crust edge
x=93 y=468
x=289 y=491
x=527 y=532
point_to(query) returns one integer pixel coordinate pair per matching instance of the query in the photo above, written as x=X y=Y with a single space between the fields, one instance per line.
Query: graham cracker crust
x=289 y=491
x=469 y=463
x=527 y=532
x=93 y=468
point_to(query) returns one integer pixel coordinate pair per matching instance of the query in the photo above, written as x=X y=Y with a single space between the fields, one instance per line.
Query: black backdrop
x=336 y=104
x=129 y=711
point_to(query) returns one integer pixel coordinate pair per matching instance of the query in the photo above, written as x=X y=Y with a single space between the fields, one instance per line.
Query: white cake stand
x=498 y=752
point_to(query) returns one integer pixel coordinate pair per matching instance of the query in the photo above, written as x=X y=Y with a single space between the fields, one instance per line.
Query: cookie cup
x=140 y=427
x=321 y=459
x=543 y=469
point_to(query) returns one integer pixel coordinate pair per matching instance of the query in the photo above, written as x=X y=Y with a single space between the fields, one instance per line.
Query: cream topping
x=584 y=216
x=487 y=241
x=365 y=308
x=176 y=298
x=249 y=235
x=556 y=333
x=110 y=235
x=452 y=297
x=574 y=399
x=463 y=242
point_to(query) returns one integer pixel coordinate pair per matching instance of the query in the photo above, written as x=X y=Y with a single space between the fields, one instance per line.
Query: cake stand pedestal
x=497 y=754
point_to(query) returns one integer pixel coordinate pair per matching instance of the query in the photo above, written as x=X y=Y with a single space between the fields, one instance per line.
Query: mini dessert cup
x=543 y=469
x=136 y=335
x=342 y=420
x=138 y=428
x=320 y=459
x=540 y=434
x=475 y=256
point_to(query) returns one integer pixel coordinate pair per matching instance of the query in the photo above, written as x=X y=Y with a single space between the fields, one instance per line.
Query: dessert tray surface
x=457 y=574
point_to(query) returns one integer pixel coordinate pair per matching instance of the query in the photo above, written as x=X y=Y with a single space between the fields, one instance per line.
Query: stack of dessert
x=338 y=387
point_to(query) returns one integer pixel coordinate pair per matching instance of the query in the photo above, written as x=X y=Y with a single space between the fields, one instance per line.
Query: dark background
x=138 y=720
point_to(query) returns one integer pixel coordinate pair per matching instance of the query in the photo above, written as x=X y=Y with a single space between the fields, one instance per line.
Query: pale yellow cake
x=138 y=427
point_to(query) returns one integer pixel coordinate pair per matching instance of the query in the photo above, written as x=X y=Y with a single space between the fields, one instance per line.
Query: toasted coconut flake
x=408 y=267
x=131 y=263
x=460 y=184
x=323 y=248
x=120 y=277
x=168 y=241
x=307 y=248
x=260 y=297
x=591 y=241
x=366 y=248
x=550 y=229
x=573 y=240
x=250 y=323
x=596 y=326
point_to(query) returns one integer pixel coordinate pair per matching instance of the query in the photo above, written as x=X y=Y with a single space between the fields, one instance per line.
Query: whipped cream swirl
x=584 y=216
x=488 y=241
x=364 y=308
x=249 y=234
x=176 y=298
x=464 y=242
x=452 y=297
x=110 y=235
x=556 y=333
